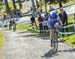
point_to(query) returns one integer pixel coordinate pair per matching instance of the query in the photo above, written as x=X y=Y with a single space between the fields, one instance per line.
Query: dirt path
x=26 y=45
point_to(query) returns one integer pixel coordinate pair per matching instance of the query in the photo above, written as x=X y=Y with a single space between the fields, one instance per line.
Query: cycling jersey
x=52 y=19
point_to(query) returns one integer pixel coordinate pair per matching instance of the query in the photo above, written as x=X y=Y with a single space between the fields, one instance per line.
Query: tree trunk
x=7 y=6
x=37 y=4
x=33 y=6
x=20 y=5
x=60 y=3
x=45 y=5
x=14 y=6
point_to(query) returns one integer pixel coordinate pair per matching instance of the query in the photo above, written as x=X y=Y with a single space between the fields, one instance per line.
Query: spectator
x=40 y=20
x=45 y=23
x=12 y=15
x=14 y=25
x=11 y=23
x=64 y=19
x=33 y=22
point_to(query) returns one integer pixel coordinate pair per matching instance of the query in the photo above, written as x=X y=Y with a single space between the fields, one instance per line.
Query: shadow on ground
x=29 y=34
x=23 y=32
x=50 y=54
x=69 y=50
x=44 y=37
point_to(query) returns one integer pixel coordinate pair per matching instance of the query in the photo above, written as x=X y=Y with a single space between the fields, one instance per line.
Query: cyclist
x=53 y=23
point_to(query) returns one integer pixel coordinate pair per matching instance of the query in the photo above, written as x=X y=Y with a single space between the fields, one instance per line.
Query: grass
x=70 y=40
x=1 y=39
x=27 y=27
x=23 y=26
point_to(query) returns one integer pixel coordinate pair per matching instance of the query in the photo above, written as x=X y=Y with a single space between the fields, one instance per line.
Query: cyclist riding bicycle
x=53 y=23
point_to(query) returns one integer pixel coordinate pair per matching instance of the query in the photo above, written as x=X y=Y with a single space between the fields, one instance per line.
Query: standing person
x=14 y=24
x=10 y=25
x=45 y=23
x=33 y=22
x=40 y=20
x=64 y=19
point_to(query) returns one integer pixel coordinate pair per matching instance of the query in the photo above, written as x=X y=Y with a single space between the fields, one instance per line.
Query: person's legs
x=51 y=25
x=51 y=36
x=45 y=29
x=36 y=25
x=31 y=24
x=14 y=27
x=41 y=28
x=63 y=31
x=10 y=27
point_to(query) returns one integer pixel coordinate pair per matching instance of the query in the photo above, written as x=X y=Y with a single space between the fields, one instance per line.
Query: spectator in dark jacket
x=64 y=19
x=33 y=22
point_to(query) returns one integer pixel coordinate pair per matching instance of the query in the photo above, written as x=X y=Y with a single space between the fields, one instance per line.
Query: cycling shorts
x=51 y=24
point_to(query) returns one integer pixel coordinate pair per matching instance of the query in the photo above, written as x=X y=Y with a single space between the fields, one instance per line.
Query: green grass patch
x=70 y=40
x=71 y=21
x=1 y=39
x=22 y=26
x=27 y=27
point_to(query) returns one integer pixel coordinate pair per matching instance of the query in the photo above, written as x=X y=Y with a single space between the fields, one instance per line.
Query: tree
x=64 y=1
x=14 y=6
x=52 y=1
x=1 y=0
x=37 y=3
x=33 y=6
x=7 y=6
x=60 y=3
x=46 y=5
x=20 y=5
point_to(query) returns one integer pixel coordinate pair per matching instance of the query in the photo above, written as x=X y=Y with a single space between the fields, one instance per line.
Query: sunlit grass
x=1 y=39
x=70 y=40
x=23 y=26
